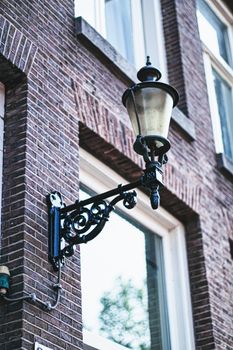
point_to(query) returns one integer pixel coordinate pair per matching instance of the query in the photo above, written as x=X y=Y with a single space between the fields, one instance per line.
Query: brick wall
x=41 y=148
x=60 y=95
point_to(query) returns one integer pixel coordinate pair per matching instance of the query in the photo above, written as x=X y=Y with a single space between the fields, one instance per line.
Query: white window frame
x=152 y=25
x=99 y=177
x=216 y=62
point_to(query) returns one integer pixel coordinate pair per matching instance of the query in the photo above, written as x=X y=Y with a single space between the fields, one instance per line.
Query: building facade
x=63 y=69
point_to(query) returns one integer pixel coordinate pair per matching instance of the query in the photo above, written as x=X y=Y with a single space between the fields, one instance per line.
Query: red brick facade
x=60 y=94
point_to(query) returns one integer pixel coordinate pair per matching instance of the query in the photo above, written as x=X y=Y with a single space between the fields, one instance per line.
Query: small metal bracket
x=55 y=203
x=55 y=199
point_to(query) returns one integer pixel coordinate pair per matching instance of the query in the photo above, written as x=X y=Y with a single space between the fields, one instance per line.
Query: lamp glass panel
x=154 y=108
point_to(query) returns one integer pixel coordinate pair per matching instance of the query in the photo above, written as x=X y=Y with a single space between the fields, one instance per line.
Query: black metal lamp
x=149 y=104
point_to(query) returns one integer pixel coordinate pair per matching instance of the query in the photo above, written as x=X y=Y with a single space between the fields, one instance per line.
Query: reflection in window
x=213 y=32
x=123 y=286
x=119 y=30
x=225 y=107
x=132 y=27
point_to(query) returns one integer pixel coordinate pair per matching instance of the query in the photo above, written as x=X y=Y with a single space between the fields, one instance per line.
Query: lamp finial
x=148 y=72
x=148 y=63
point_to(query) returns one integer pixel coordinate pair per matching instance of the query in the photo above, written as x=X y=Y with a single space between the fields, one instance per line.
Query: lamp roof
x=148 y=72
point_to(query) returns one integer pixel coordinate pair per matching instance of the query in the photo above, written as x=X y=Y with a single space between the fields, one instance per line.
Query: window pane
x=87 y=10
x=119 y=29
x=123 y=286
x=213 y=32
x=225 y=107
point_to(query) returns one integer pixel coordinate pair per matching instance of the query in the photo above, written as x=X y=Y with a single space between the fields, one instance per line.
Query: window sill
x=101 y=48
x=225 y=165
x=88 y=36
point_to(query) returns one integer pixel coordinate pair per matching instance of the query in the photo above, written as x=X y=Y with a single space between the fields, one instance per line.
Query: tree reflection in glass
x=124 y=315
x=123 y=286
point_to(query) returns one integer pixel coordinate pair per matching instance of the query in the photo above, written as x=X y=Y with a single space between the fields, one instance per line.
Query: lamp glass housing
x=154 y=107
x=149 y=105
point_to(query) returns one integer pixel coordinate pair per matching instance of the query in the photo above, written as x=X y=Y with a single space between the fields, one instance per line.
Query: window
x=216 y=35
x=133 y=27
x=135 y=286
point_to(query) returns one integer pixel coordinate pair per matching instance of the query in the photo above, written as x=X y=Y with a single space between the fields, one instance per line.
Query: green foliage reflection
x=124 y=316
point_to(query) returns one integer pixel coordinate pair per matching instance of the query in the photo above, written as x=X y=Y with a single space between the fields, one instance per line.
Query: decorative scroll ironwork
x=79 y=225
x=84 y=220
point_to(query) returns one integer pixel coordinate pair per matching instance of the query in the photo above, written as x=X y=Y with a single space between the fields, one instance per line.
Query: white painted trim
x=154 y=36
x=221 y=11
x=219 y=65
x=100 y=17
x=97 y=175
x=177 y=282
x=101 y=343
x=213 y=60
x=217 y=129
x=139 y=40
x=225 y=17
x=160 y=40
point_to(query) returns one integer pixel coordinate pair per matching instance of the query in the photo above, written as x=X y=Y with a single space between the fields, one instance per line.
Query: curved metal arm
x=129 y=201
x=84 y=220
x=82 y=224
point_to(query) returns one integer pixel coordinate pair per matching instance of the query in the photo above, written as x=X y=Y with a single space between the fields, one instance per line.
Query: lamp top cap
x=148 y=72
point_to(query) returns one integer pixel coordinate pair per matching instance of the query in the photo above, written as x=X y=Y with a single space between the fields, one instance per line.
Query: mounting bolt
x=4 y=280
x=33 y=297
x=48 y=306
x=57 y=286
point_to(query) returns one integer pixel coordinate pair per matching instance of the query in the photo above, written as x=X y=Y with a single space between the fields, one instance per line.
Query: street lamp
x=149 y=105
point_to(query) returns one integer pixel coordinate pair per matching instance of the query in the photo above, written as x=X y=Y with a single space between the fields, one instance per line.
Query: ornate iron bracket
x=84 y=220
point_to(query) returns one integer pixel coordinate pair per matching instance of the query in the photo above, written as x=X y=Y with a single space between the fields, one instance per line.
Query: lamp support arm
x=83 y=220
x=101 y=196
